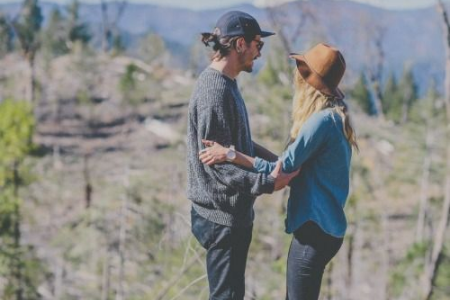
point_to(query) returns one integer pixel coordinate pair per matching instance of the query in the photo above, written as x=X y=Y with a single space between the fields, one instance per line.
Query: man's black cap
x=238 y=23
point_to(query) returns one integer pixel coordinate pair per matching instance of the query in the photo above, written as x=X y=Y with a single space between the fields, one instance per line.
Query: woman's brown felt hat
x=322 y=67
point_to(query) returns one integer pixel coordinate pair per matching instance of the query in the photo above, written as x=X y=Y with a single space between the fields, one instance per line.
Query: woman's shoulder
x=329 y=116
x=325 y=116
x=322 y=121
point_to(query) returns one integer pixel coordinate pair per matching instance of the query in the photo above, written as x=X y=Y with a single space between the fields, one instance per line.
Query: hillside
x=411 y=38
x=94 y=206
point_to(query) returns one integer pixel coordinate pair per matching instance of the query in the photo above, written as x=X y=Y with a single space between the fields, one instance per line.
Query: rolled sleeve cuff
x=263 y=166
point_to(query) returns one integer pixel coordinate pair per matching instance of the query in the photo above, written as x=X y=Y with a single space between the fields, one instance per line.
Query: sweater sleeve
x=214 y=123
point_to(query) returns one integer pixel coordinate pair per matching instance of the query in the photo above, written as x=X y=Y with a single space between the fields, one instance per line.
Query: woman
x=321 y=141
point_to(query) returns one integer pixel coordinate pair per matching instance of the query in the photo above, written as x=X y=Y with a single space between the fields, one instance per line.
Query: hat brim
x=314 y=79
x=266 y=33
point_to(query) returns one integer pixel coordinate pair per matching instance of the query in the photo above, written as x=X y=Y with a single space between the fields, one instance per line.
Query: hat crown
x=327 y=62
x=236 y=23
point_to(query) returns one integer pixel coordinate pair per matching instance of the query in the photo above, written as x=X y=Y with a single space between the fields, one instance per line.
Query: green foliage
x=28 y=27
x=17 y=263
x=441 y=289
x=85 y=64
x=151 y=48
x=78 y=30
x=399 y=98
x=54 y=36
x=409 y=268
x=6 y=36
x=32 y=273
x=16 y=130
x=132 y=88
x=63 y=31
x=392 y=102
x=8 y=204
x=361 y=95
x=276 y=67
x=118 y=45
x=269 y=75
x=429 y=109
x=128 y=81
x=198 y=58
x=408 y=92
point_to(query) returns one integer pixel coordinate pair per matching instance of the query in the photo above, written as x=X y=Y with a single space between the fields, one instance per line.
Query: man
x=223 y=195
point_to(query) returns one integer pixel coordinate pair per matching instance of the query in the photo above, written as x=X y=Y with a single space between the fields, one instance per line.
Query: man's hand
x=214 y=153
x=282 y=179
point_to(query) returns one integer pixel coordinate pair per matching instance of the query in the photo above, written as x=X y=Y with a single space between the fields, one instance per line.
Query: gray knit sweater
x=223 y=193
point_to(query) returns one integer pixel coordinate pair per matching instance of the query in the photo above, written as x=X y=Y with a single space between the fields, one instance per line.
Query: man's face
x=251 y=51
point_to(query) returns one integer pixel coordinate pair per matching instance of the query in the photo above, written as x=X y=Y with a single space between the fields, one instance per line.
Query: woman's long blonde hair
x=307 y=100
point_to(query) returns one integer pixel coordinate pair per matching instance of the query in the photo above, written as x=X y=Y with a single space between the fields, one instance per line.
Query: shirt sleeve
x=263 y=166
x=310 y=140
x=214 y=122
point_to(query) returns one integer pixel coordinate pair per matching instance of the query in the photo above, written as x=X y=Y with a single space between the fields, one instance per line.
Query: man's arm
x=264 y=153
x=216 y=153
x=214 y=117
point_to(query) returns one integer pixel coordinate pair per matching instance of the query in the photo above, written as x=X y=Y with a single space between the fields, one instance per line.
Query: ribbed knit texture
x=223 y=193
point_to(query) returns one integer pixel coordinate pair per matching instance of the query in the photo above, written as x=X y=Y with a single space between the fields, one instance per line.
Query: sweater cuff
x=269 y=185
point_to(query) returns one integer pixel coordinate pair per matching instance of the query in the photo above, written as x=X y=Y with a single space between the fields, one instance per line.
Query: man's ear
x=240 y=44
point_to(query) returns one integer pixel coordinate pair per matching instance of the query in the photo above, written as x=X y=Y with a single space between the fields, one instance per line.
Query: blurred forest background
x=93 y=104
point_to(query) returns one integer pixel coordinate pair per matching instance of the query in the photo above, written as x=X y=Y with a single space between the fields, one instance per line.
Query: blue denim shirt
x=320 y=191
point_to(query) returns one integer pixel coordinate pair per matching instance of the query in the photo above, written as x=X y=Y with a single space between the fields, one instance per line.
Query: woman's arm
x=216 y=153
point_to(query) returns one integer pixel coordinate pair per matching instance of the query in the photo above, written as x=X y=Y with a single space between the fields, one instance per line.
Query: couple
x=227 y=170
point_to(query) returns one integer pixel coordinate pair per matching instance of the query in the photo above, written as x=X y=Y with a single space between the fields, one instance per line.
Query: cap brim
x=314 y=79
x=267 y=33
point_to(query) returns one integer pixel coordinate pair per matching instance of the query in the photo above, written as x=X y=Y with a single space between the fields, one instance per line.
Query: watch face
x=231 y=155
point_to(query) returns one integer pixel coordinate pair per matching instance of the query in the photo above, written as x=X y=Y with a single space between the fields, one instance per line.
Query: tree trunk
x=386 y=255
x=349 y=260
x=376 y=74
x=329 y=294
x=424 y=184
x=17 y=273
x=377 y=96
x=438 y=243
x=30 y=57
x=432 y=267
x=87 y=182
x=120 y=295
x=106 y=277
x=59 y=274
x=106 y=37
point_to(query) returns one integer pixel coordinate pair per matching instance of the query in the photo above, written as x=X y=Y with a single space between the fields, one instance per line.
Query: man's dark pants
x=226 y=257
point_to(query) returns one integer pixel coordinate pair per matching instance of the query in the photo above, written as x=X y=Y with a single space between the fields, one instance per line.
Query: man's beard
x=246 y=68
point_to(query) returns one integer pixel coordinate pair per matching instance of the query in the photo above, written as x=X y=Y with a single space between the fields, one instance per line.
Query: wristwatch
x=231 y=154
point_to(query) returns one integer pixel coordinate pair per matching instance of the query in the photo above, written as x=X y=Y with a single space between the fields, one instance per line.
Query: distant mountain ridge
x=410 y=37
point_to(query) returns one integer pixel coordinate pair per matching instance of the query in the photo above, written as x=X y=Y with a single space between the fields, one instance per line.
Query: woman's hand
x=214 y=153
x=282 y=179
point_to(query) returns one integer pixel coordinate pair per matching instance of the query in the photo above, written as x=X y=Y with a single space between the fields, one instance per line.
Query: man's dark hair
x=222 y=46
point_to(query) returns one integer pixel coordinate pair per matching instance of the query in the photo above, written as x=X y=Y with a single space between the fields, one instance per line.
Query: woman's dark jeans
x=311 y=250
x=226 y=257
